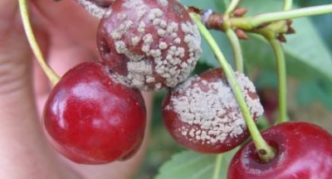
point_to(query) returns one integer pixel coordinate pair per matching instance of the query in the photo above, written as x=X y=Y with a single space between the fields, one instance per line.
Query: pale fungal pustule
x=203 y=114
x=149 y=44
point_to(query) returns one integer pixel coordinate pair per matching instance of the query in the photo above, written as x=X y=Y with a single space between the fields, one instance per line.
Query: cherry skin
x=269 y=99
x=203 y=115
x=103 y=3
x=155 y=42
x=92 y=119
x=303 y=151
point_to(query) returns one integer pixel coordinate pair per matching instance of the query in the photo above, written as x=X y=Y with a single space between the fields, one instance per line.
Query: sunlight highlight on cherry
x=92 y=119
x=303 y=151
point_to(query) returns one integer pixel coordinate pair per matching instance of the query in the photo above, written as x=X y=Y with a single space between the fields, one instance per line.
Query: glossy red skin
x=304 y=151
x=92 y=119
x=173 y=122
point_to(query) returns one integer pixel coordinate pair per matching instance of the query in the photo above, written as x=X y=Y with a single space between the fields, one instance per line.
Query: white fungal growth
x=92 y=8
x=210 y=109
x=170 y=45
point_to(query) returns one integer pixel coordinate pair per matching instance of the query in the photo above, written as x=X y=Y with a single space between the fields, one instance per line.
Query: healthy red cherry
x=93 y=119
x=203 y=115
x=155 y=42
x=303 y=151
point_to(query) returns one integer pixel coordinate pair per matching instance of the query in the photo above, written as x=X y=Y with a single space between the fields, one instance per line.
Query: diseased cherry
x=303 y=151
x=93 y=119
x=102 y=3
x=155 y=43
x=203 y=115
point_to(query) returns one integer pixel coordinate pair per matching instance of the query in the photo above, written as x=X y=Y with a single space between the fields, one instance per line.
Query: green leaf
x=191 y=165
x=312 y=91
x=227 y=2
x=255 y=7
x=308 y=48
x=322 y=23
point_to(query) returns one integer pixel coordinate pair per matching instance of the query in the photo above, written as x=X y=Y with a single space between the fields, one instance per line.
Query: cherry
x=155 y=42
x=102 y=3
x=303 y=151
x=93 y=119
x=269 y=100
x=203 y=115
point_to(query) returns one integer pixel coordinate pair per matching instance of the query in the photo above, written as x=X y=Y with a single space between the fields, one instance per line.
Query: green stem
x=237 y=50
x=264 y=150
x=217 y=166
x=288 y=5
x=291 y=14
x=232 y=6
x=250 y=23
x=282 y=80
x=24 y=11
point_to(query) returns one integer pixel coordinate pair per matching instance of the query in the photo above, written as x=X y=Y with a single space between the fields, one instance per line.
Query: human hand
x=67 y=37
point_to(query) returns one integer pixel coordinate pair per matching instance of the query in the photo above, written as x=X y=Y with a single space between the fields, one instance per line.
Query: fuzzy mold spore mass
x=207 y=112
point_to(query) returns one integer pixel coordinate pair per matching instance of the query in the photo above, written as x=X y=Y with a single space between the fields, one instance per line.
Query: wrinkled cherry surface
x=149 y=44
x=203 y=115
x=303 y=151
x=92 y=119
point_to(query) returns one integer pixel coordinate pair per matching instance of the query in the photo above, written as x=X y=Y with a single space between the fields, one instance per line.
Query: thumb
x=15 y=57
x=21 y=139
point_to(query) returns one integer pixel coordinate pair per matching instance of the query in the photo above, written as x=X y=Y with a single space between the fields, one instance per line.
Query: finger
x=15 y=55
x=73 y=37
x=20 y=134
x=41 y=84
x=69 y=46
x=68 y=22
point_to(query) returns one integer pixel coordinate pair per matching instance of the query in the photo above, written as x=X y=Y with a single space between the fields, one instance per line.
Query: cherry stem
x=265 y=152
x=282 y=79
x=236 y=47
x=232 y=37
x=249 y=23
x=217 y=166
x=288 y=5
x=232 y=6
x=24 y=11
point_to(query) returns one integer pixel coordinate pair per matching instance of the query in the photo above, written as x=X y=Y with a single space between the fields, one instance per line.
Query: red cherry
x=269 y=100
x=155 y=42
x=203 y=115
x=303 y=151
x=93 y=119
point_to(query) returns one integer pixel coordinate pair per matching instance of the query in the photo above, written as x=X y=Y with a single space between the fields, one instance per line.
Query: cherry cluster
x=96 y=114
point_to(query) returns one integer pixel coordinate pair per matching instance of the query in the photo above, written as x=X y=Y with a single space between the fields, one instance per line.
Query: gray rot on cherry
x=149 y=44
x=203 y=115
